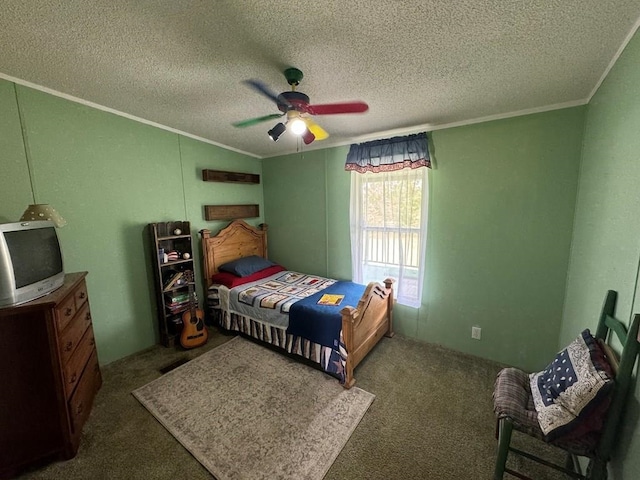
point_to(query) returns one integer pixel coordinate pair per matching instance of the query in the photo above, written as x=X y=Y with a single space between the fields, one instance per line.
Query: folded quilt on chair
x=572 y=386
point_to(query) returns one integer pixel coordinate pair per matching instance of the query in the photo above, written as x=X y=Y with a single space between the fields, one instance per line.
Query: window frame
x=358 y=229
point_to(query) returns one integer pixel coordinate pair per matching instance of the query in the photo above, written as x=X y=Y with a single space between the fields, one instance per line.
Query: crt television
x=30 y=261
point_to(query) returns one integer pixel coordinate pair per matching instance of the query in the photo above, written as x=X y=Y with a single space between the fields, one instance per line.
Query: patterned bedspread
x=269 y=300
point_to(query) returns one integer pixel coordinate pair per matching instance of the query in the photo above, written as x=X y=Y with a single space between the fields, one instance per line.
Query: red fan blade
x=308 y=137
x=331 y=108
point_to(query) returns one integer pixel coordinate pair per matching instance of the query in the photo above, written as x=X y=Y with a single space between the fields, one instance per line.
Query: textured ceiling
x=418 y=64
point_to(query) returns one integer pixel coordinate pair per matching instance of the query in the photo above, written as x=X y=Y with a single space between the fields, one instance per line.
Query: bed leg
x=347 y=385
x=388 y=283
x=349 y=381
x=390 y=333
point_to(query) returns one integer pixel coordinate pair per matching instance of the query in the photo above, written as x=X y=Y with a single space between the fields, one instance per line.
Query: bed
x=282 y=308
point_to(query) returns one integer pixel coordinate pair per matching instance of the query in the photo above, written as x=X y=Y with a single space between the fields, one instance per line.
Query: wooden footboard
x=365 y=325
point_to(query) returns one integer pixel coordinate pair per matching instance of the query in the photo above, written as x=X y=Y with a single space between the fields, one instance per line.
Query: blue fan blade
x=266 y=91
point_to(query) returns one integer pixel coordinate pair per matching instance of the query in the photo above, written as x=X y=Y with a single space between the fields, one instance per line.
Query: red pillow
x=230 y=280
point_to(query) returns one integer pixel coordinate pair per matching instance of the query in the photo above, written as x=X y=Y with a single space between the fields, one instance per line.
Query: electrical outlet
x=476 y=332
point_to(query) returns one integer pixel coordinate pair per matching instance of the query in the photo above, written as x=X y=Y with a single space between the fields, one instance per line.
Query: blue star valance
x=410 y=151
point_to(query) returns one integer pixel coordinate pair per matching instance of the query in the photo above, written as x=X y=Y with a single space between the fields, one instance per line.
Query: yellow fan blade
x=316 y=129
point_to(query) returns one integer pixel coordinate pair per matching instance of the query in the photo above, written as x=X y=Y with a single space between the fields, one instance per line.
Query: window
x=388 y=229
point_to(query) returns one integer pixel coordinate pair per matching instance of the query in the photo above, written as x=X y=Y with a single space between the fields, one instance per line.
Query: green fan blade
x=253 y=121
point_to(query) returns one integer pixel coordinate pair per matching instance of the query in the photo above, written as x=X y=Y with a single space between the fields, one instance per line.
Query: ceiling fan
x=296 y=107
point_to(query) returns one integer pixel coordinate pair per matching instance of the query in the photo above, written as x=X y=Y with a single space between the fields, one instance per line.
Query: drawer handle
x=68 y=311
x=80 y=408
x=73 y=378
x=92 y=341
x=87 y=317
x=68 y=346
x=82 y=295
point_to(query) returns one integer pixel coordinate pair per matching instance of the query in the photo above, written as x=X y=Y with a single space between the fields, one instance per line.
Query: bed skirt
x=328 y=359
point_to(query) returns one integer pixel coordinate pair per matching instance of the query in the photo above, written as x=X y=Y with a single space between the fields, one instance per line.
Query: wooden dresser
x=49 y=376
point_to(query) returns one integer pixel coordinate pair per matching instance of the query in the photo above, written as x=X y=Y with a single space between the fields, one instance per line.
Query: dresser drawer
x=76 y=364
x=65 y=312
x=72 y=335
x=81 y=295
x=82 y=398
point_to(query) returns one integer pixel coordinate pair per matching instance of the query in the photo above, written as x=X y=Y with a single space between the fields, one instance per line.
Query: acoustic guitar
x=194 y=333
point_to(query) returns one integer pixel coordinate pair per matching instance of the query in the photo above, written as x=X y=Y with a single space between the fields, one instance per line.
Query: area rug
x=246 y=412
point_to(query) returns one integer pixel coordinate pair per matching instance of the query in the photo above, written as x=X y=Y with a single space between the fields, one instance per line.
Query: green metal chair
x=520 y=414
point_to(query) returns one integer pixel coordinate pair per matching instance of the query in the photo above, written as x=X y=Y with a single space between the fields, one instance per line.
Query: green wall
x=15 y=191
x=606 y=242
x=502 y=205
x=502 y=198
x=296 y=197
x=109 y=177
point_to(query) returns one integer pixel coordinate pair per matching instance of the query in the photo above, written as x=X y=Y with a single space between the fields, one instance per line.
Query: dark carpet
x=432 y=419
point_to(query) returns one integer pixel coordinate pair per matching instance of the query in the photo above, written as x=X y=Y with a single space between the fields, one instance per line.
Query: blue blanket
x=322 y=323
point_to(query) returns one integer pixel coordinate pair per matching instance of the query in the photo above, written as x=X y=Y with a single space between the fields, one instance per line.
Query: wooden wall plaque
x=230 y=177
x=230 y=212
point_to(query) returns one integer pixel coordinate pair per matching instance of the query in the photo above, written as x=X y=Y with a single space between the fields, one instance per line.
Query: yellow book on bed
x=329 y=299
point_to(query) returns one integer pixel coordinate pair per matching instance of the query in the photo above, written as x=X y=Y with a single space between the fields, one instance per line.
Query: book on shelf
x=330 y=299
x=176 y=297
x=178 y=308
x=173 y=281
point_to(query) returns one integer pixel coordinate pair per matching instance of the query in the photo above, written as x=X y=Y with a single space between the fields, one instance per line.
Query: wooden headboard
x=236 y=240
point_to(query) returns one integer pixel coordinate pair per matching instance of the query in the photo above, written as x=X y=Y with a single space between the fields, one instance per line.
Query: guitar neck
x=192 y=303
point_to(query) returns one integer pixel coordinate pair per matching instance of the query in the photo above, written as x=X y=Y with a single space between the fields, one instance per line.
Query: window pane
x=388 y=232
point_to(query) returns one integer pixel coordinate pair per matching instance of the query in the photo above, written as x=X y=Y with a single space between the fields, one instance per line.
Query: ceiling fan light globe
x=298 y=127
